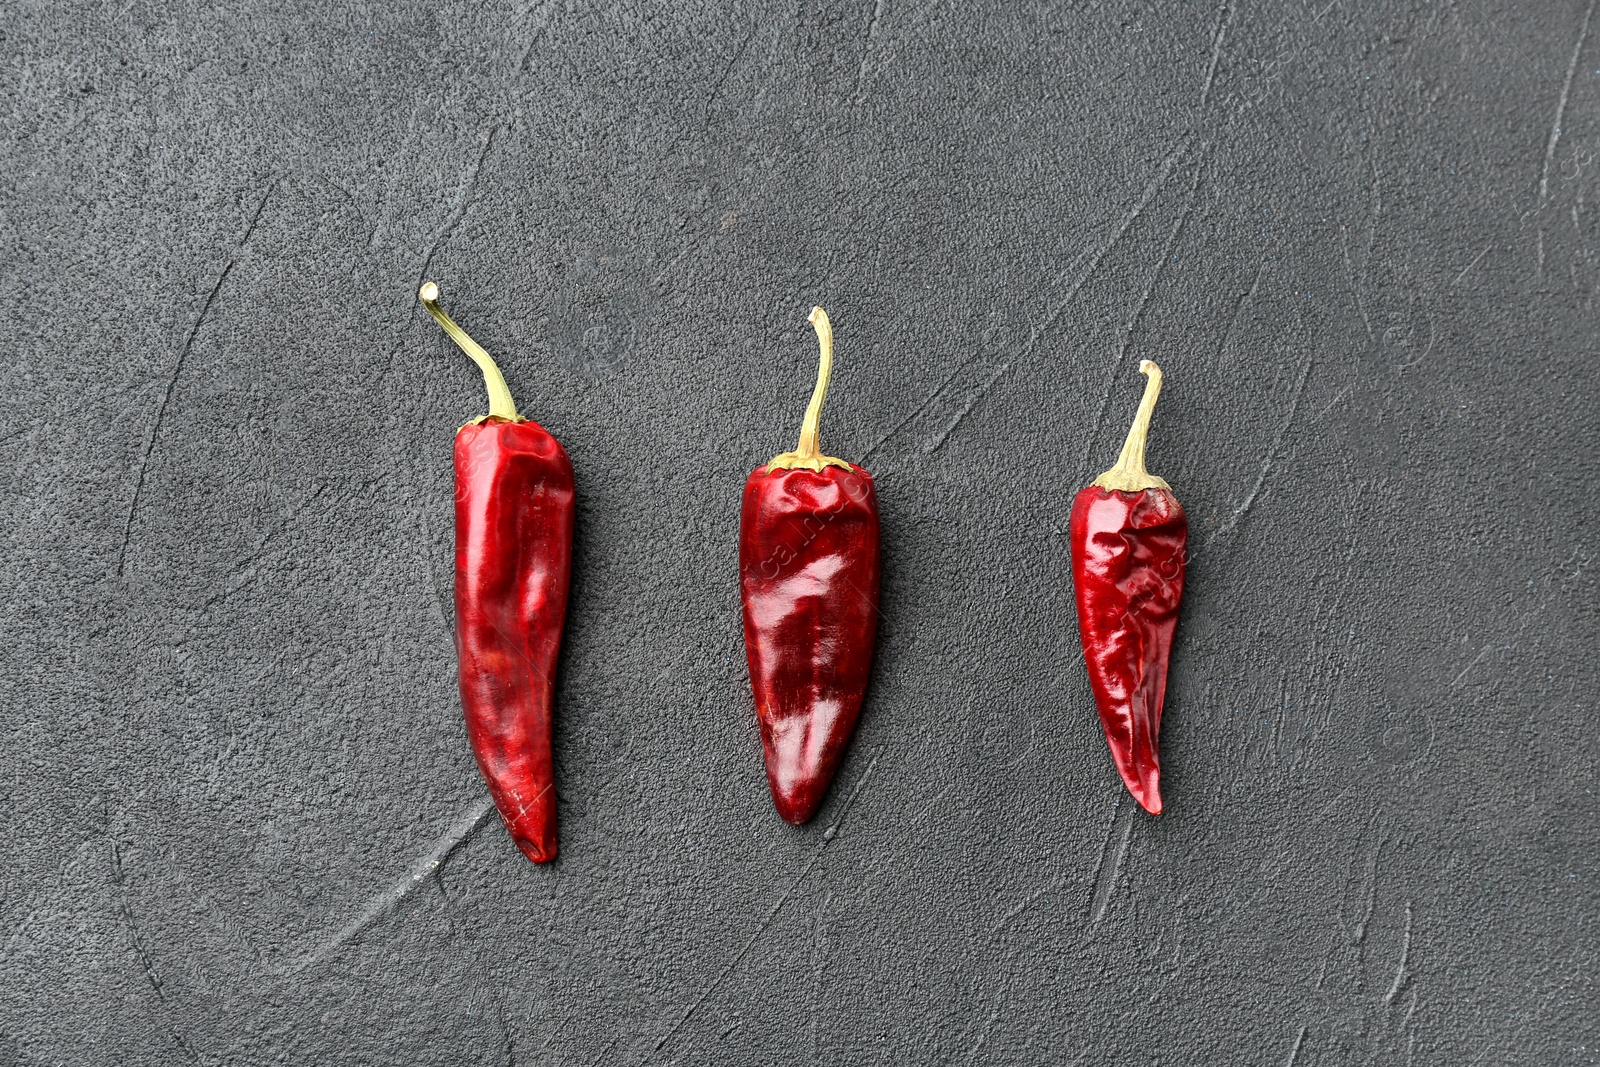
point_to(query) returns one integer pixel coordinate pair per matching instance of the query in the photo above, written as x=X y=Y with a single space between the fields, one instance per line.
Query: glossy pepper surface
x=514 y=512
x=809 y=571
x=1129 y=538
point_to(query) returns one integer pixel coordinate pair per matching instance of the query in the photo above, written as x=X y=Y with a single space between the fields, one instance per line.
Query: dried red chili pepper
x=1128 y=539
x=809 y=566
x=514 y=508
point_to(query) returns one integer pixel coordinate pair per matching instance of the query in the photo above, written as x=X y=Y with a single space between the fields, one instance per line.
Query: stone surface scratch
x=384 y=902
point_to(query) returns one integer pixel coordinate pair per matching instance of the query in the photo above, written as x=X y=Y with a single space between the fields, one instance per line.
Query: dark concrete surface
x=242 y=822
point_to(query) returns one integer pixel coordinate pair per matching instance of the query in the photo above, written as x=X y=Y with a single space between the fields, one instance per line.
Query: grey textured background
x=1362 y=243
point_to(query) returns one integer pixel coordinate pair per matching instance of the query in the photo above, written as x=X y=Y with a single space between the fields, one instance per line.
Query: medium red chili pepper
x=808 y=559
x=514 y=508
x=1128 y=539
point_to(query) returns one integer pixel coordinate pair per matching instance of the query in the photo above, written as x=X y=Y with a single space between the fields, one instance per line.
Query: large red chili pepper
x=1128 y=539
x=808 y=558
x=514 y=507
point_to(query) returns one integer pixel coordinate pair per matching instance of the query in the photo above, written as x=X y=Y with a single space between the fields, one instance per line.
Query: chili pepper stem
x=501 y=406
x=808 y=453
x=1129 y=474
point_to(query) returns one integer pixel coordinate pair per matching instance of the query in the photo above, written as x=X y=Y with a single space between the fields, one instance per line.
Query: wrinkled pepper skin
x=514 y=512
x=1128 y=559
x=809 y=565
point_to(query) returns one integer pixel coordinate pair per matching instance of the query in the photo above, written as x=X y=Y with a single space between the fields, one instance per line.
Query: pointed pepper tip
x=1148 y=794
x=536 y=851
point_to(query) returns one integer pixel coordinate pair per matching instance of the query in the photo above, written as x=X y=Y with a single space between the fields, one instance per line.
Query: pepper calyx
x=481 y=419
x=1129 y=474
x=797 y=460
x=1126 y=482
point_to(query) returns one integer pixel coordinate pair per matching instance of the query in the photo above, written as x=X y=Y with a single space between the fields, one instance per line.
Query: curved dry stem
x=1129 y=475
x=808 y=453
x=501 y=406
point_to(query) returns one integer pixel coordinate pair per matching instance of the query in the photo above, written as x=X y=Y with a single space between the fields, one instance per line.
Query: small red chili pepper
x=808 y=559
x=514 y=508
x=1128 y=538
